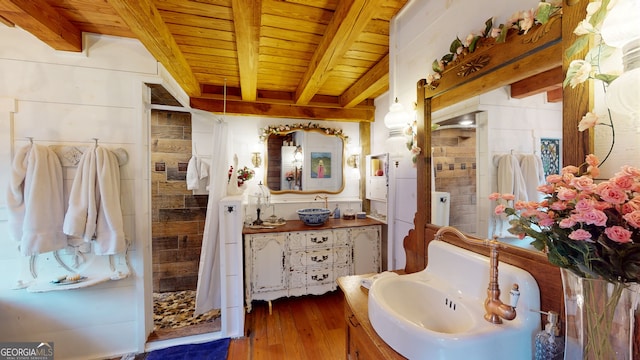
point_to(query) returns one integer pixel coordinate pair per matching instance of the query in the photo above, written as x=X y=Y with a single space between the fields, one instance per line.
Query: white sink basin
x=438 y=313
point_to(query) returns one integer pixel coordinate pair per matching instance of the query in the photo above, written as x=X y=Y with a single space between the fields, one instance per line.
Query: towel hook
x=30 y=138
x=95 y=141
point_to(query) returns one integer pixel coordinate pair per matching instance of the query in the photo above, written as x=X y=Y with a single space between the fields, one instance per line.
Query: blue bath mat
x=214 y=350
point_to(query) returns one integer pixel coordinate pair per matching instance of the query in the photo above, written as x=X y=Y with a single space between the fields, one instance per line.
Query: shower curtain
x=209 y=290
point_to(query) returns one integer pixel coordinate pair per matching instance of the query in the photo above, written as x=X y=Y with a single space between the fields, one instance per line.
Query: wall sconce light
x=353 y=161
x=396 y=119
x=297 y=154
x=256 y=159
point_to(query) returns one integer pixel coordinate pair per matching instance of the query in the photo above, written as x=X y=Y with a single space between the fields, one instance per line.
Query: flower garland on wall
x=276 y=129
x=521 y=21
x=582 y=70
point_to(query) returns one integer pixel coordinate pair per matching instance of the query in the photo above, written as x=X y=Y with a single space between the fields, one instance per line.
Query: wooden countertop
x=297 y=225
x=357 y=297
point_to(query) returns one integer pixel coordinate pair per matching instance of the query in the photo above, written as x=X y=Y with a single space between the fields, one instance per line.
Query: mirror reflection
x=307 y=161
x=504 y=145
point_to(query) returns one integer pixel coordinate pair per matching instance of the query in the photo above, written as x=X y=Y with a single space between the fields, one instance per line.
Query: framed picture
x=320 y=165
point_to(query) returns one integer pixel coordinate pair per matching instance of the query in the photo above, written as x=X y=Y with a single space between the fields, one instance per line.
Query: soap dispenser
x=549 y=343
x=336 y=212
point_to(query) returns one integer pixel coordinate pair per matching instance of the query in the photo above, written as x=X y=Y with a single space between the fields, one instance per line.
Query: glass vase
x=598 y=318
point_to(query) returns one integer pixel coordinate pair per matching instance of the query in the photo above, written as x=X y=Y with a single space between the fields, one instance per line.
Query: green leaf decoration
x=447 y=58
x=472 y=46
x=599 y=15
x=435 y=66
x=503 y=34
x=455 y=44
x=608 y=78
x=544 y=13
x=577 y=46
x=488 y=25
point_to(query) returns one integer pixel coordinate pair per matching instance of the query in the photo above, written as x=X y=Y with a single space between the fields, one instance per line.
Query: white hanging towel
x=533 y=175
x=94 y=212
x=109 y=238
x=510 y=178
x=193 y=176
x=82 y=213
x=35 y=200
x=510 y=181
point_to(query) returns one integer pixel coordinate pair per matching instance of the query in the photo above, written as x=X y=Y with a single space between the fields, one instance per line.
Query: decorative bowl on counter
x=314 y=216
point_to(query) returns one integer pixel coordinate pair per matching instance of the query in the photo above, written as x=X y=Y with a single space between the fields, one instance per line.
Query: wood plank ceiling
x=309 y=59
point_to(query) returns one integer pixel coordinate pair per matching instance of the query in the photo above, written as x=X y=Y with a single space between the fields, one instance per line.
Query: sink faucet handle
x=514 y=295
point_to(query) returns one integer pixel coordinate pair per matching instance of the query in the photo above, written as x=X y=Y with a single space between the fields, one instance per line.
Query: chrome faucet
x=495 y=309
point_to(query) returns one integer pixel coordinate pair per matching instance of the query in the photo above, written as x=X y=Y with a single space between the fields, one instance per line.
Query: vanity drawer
x=312 y=257
x=310 y=239
x=321 y=275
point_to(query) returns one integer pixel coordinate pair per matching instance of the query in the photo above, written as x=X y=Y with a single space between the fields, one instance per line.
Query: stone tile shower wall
x=454 y=154
x=178 y=215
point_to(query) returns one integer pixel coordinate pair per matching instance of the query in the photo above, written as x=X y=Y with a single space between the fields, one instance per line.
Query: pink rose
x=595 y=217
x=618 y=234
x=593 y=171
x=558 y=205
x=546 y=222
x=592 y=160
x=633 y=218
x=624 y=182
x=585 y=205
x=583 y=183
x=570 y=170
x=611 y=193
x=508 y=197
x=580 y=234
x=494 y=196
x=631 y=171
x=634 y=203
x=566 y=223
x=519 y=205
x=499 y=209
x=545 y=189
x=566 y=194
x=555 y=178
x=602 y=205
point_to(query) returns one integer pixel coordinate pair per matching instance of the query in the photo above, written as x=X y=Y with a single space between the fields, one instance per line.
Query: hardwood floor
x=308 y=327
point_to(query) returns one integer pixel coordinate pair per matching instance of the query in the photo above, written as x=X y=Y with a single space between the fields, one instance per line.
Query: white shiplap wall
x=62 y=98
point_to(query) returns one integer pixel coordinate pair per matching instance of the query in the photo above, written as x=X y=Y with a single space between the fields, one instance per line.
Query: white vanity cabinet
x=298 y=260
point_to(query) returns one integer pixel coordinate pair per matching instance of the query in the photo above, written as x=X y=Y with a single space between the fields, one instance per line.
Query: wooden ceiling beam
x=348 y=21
x=6 y=22
x=555 y=95
x=374 y=80
x=543 y=82
x=284 y=110
x=146 y=23
x=43 y=21
x=246 y=22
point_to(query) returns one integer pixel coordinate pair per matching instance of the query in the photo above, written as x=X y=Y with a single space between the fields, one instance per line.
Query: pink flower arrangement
x=592 y=229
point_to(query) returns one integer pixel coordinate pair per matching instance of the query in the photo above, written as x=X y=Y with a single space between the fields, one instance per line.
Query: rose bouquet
x=589 y=228
x=244 y=174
